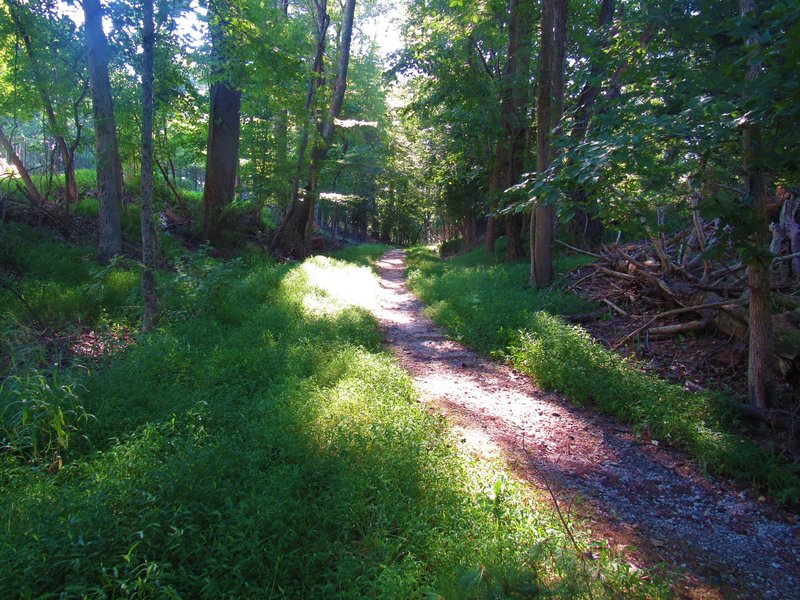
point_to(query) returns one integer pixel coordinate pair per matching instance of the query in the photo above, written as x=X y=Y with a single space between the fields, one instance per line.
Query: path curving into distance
x=643 y=497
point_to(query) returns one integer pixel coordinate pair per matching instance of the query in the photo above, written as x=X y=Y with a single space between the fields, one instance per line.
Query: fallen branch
x=615 y=307
x=674 y=312
x=586 y=252
x=667 y=330
x=580 y=281
x=617 y=274
x=775 y=418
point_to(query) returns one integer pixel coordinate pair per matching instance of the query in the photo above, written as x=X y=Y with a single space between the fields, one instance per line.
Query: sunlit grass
x=335 y=284
x=488 y=305
x=254 y=446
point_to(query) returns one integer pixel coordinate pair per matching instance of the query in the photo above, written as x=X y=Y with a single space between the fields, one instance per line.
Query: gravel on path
x=645 y=498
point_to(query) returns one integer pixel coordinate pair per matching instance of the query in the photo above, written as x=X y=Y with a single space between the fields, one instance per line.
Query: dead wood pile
x=667 y=286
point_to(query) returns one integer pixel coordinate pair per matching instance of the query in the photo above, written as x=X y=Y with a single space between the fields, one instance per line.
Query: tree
x=760 y=354
x=296 y=227
x=512 y=146
x=326 y=128
x=148 y=225
x=109 y=174
x=222 y=157
x=292 y=228
x=548 y=114
x=30 y=187
x=54 y=61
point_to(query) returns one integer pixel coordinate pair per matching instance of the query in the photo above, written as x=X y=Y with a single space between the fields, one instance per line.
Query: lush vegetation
x=524 y=327
x=183 y=414
x=259 y=444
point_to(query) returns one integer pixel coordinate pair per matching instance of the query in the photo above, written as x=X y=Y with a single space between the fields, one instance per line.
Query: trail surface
x=646 y=499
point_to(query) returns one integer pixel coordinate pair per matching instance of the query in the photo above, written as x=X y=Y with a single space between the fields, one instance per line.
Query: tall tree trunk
x=224 y=123
x=108 y=174
x=291 y=231
x=282 y=137
x=548 y=114
x=148 y=225
x=222 y=158
x=510 y=152
x=335 y=109
x=760 y=352
x=30 y=187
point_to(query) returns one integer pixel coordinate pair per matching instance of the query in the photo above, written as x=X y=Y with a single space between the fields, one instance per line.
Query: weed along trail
x=645 y=498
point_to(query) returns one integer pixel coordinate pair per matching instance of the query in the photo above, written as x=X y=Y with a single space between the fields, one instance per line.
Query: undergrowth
x=261 y=444
x=363 y=254
x=488 y=305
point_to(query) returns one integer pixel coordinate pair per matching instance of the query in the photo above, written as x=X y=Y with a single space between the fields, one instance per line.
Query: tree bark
x=511 y=148
x=760 y=381
x=108 y=175
x=30 y=187
x=222 y=154
x=548 y=114
x=222 y=158
x=291 y=231
x=148 y=225
x=321 y=147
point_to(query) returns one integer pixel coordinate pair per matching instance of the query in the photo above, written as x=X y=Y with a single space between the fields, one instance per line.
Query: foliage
x=261 y=445
x=523 y=326
x=60 y=285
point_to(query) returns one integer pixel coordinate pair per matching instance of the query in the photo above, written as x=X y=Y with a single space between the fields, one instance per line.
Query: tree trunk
x=760 y=381
x=511 y=148
x=222 y=158
x=148 y=225
x=335 y=109
x=282 y=139
x=222 y=154
x=291 y=231
x=108 y=174
x=30 y=187
x=548 y=114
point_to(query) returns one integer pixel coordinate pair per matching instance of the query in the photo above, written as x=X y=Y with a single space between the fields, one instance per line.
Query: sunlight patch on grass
x=335 y=285
x=249 y=448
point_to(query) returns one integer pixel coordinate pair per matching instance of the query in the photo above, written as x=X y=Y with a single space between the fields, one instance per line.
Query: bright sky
x=385 y=29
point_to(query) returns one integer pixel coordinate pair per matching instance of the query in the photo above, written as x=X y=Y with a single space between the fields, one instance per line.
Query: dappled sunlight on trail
x=647 y=499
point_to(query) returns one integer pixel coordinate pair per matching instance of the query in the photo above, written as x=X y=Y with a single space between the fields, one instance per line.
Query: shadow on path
x=635 y=493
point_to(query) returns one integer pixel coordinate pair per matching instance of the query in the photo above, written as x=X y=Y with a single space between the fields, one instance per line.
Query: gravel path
x=646 y=499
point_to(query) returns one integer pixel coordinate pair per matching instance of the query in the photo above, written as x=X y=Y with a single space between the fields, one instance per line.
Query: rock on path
x=642 y=496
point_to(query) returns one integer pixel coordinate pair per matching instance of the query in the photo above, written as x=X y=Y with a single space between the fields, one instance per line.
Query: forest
x=433 y=298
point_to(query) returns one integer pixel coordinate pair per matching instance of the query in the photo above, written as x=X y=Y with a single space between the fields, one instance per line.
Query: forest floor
x=647 y=499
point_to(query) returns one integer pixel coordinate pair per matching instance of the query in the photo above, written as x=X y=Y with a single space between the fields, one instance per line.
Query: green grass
x=261 y=444
x=488 y=305
x=363 y=254
x=59 y=284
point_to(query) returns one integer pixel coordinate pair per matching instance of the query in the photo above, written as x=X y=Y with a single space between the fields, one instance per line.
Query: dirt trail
x=635 y=493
